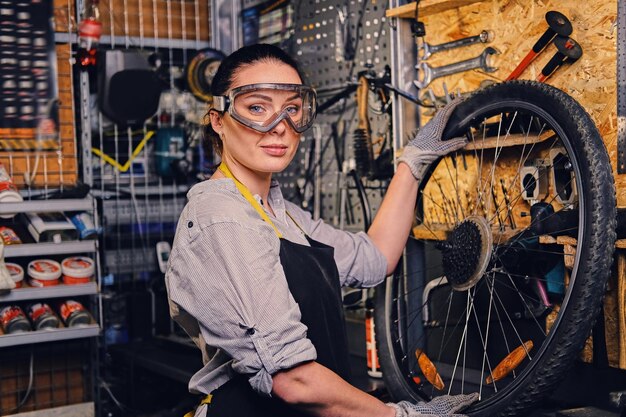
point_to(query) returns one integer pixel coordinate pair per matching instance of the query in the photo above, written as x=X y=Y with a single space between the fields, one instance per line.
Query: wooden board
x=427 y=7
x=176 y=19
x=516 y=26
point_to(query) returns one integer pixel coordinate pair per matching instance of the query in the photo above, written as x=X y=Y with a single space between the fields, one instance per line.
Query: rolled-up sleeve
x=359 y=261
x=229 y=277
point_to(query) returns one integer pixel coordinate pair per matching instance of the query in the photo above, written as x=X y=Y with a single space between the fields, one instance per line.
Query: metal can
x=42 y=316
x=8 y=236
x=13 y=320
x=17 y=273
x=73 y=313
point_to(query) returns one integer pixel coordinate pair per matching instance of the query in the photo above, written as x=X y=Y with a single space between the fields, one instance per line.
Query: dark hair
x=227 y=70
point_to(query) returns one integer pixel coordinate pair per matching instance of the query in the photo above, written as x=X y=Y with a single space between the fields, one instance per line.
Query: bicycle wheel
x=507 y=265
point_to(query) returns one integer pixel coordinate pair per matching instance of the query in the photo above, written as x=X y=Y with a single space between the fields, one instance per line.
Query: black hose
x=365 y=204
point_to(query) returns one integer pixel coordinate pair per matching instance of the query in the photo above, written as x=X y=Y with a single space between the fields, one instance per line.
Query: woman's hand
x=427 y=146
x=445 y=405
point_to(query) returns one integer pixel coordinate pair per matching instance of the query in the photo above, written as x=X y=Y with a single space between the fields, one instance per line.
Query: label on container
x=8 y=236
x=72 y=312
x=13 y=319
x=16 y=272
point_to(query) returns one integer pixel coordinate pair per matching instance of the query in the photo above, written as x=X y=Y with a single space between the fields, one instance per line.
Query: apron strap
x=205 y=400
x=248 y=196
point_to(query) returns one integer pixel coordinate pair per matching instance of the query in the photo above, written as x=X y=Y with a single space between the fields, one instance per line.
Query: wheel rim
x=523 y=334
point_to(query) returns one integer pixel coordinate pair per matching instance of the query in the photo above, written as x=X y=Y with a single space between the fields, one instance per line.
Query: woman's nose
x=279 y=129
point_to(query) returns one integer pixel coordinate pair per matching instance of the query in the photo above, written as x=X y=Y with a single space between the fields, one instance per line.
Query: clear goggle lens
x=262 y=106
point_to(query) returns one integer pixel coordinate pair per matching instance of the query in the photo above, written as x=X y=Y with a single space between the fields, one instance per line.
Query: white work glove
x=426 y=147
x=445 y=405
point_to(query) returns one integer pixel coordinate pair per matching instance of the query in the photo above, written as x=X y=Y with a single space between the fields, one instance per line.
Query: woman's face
x=246 y=148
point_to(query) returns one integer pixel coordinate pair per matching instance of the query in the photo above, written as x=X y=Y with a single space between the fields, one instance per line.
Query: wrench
x=484 y=37
x=430 y=73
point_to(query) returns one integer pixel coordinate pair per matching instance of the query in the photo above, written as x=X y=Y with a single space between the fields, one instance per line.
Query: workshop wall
x=591 y=81
x=517 y=25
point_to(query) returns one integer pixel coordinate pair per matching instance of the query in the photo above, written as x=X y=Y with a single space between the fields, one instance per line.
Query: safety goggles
x=263 y=106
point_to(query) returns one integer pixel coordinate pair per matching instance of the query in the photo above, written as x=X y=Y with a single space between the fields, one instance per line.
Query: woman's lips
x=275 y=150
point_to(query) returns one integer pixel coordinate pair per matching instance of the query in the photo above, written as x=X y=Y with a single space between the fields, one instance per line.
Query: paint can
x=13 y=320
x=44 y=272
x=73 y=313
x=8 y=236
x=42 y=316
x=17 y=273
x=77 y=270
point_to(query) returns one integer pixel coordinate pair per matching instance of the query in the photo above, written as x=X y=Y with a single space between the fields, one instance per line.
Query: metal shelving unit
x=50 y=335
x=37 y=249
x=47 y=206
x=33 y=293
x=57 y=291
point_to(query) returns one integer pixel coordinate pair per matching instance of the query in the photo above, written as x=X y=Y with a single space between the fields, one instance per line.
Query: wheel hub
x=467 y=252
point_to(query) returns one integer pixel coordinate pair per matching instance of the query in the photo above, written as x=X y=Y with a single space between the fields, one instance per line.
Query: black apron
x=313 y=281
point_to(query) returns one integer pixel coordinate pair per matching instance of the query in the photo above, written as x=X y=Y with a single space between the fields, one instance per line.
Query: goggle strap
x=220 y=103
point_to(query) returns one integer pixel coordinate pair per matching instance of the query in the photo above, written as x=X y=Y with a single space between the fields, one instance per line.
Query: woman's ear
x=216 y=121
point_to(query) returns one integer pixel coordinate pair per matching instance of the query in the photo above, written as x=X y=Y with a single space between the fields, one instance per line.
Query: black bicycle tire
x=593 y=268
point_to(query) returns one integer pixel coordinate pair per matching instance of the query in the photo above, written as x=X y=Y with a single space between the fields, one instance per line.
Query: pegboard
x=334 y=41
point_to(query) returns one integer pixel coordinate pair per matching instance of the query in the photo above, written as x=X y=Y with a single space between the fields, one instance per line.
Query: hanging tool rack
x=335 y=42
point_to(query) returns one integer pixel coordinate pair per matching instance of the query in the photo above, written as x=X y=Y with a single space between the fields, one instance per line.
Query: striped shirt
x=227 y=288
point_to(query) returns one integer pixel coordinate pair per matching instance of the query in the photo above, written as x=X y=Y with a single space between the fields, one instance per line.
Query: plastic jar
x=73 y=313
x=8 y=192
x=44 y=272
x=13 y=320
x=77 y=270
x=17 y=274
x=42 y=316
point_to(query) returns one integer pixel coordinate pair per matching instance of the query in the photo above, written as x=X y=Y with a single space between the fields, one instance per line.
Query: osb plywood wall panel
x=517 y=24
x=178 y=19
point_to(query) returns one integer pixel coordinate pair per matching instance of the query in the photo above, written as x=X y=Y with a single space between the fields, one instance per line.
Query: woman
x=255 y=281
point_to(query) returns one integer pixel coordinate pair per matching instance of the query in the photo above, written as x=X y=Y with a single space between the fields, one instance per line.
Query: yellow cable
x=136 y=151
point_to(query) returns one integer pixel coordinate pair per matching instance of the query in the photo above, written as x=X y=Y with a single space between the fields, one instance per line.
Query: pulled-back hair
x=224 y=77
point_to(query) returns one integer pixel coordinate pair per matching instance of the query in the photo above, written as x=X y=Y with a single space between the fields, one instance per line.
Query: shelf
x=428 y=7
x=135 y=41
x=38 y=249
x=50 y=335
x=34 y=293
x=47 y=206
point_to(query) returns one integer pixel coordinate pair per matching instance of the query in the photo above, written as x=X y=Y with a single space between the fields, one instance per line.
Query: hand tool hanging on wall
x=568 y=52
x=428 y=49
x=429 y=73
x=362 y=141
x=558 y=24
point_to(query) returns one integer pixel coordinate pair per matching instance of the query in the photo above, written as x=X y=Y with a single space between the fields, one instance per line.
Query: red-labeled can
x=77 y=270
x=73 y=313
x=17 y=274
x=8 y=236
x=44 y=272
x=42 y=316
x=13 y=320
